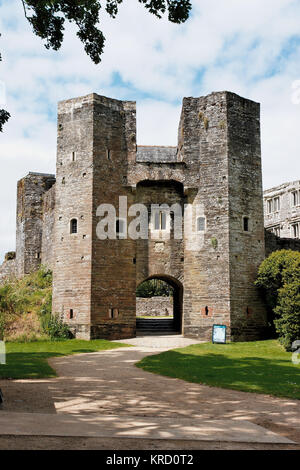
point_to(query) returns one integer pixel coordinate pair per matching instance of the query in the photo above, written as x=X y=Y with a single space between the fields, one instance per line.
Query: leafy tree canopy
x=48 y=17
x=279 y=279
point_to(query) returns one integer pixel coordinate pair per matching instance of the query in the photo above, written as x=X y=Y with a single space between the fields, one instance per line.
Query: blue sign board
x=219 y=334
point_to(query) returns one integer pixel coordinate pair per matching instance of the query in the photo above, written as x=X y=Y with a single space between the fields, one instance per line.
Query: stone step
x=148 y=326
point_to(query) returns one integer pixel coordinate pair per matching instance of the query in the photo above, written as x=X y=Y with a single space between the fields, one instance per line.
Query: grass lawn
x=29 y=360
x=260 y=367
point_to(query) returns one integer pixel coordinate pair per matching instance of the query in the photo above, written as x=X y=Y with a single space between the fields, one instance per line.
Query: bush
x=287 y=321
x=54 y=327
x=19 y=297
x=279 y=279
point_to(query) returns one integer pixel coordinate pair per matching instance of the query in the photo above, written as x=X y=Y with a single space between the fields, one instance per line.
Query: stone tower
x=215 y=172
x=94 y=281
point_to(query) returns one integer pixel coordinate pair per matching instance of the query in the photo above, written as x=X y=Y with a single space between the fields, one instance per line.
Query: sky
x=250 y=47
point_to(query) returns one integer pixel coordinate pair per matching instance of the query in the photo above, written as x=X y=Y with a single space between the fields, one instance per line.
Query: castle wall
x=219 y=140
x=114 y=261
x=274 y=243
x=203 y=146
x=8 y=267
x=30 y=192
x=246 y=247
x=73 y=200
x=154 y=306
x=48 y=248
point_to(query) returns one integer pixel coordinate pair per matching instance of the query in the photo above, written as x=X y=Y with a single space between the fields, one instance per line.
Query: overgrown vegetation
x=279 y=279
x=260 y=367
x=25 y=309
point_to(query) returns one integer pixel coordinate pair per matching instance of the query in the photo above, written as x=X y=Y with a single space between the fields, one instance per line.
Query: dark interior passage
x=159 y=306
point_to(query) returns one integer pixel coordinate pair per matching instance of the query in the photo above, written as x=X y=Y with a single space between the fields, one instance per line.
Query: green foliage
x=214 y=243
x=279 y=279
x=31 y=294
x=4 y=117
x=287 y=321
x=259 y=367
x=154 y=288
x=48 y=18
x=54 y=327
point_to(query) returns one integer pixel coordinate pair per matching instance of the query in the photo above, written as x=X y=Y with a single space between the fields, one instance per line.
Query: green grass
x=29 y=360
x=260 y=367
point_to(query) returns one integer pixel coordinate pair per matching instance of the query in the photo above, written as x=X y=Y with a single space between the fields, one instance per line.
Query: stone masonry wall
x=113 y=261
x=31 y=190
x=48 y=248
x=203 y=145
x=154 y=306
x=8 y=267
x=246 y=247
x=274 y=243
x=73 y=200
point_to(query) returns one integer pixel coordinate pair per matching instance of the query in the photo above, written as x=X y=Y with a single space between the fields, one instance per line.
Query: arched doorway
x=160 y=321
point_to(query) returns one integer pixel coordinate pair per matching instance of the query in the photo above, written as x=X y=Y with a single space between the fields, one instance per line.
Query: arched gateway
x=176 y=318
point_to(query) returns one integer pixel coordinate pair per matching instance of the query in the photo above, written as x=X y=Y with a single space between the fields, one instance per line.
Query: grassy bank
x=260 y=367
x=29 y=360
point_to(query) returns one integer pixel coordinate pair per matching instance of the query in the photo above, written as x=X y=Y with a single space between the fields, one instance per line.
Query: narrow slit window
x=73 y=157
x=73 y=226
x=246 y=224
x=71 y=314
x=108 y=154
x=160 y=221
x=120 y=227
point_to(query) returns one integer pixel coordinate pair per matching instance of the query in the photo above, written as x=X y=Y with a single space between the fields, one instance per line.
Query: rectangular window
x=160 y=221
x=120 y=228
x=269 y=204
x=276 y=231
x=295 y=230
x=276 y=204
x=295 y=198
x=246 y=224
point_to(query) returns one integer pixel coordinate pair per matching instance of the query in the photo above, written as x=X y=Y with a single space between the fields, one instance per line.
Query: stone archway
x=177 y=287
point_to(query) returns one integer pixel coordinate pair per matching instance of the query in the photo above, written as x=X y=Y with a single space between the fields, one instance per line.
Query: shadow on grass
x=279 y=377
x=29 y=360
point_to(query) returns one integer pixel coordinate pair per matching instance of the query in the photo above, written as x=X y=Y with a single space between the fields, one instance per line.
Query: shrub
x=287 y=321
x=279 y=279
x=280 y=268
x=54 y=327
x=19 y=297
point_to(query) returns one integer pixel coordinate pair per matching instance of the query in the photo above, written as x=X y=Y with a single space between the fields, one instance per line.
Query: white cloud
x=247 y=46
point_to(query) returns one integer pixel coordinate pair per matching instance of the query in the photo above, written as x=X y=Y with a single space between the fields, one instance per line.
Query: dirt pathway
x=108 y=383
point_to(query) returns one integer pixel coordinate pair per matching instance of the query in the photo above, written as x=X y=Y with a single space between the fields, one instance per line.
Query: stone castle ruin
x=216 y=167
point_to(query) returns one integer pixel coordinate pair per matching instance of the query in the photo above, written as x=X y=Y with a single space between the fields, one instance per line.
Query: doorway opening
x=159 y=306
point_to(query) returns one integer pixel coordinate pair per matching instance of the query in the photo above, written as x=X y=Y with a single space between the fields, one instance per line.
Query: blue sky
x=250 y=47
